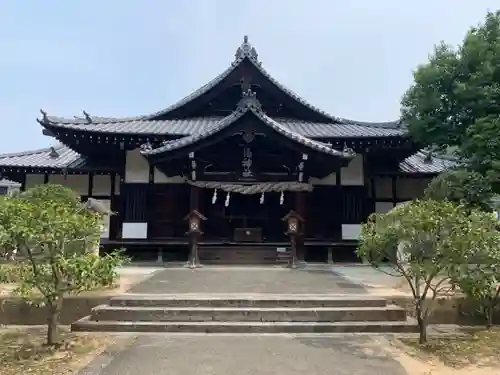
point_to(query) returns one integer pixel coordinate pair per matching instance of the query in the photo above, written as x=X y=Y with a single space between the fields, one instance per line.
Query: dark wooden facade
x=242 y=150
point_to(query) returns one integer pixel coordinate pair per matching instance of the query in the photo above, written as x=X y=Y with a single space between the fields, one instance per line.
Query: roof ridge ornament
x=249 y=100
x=146 y=147
x=87 y=117
x=348 y=150
x=53 y=153
x=45 y=117
x=246 y=50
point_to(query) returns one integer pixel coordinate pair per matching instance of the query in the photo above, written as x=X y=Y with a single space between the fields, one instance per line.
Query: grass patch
x=22 y=351
x=480 y=348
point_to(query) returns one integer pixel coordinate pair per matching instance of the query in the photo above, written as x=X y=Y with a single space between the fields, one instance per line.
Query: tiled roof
x=196 y=125
x=68 y=158
x=332 y=130
x=226 y=121
x=9 y=183
x=422 y=163
x=58 y=156
x=147 y=123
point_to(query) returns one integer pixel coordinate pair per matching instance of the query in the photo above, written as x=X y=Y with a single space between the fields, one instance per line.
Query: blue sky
x=118 y=58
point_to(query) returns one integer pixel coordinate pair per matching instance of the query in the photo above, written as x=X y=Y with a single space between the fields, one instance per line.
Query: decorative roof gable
x=245 y=53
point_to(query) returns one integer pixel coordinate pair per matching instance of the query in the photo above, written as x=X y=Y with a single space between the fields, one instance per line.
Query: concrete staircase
x=246 y=314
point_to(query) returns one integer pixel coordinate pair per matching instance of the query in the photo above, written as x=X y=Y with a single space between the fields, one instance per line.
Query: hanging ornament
x=226 y=203
x=282 y=198
x=262 y=198
x=214 y=197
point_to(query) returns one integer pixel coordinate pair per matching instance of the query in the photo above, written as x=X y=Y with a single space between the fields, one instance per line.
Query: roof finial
x=428 y=157
x=45 y=118
x=53 y=153
x=87 y=117
x=246 y=50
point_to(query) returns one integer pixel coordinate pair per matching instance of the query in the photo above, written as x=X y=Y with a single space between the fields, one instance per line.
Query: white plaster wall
x=353 y=173
x=161 y=178
x=78 y=183
x=135 y=230
x=329 y=180
x=136 y=167
x=33 y=180
x=351 y=231
x=101 y=185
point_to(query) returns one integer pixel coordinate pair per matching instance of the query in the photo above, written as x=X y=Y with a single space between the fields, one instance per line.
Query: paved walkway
x=244 y=280
x=178 y=354
x=249 y=355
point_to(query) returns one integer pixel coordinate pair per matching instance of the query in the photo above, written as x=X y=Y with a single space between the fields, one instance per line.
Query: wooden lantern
x=294 y=222
x=194 y=219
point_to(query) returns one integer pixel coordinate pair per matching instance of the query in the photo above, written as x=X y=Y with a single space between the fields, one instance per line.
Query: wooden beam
x=23 y=183
x=151 y=179
x=91 y=184
x=112 y=184
x=194 y=198
x=394 y=188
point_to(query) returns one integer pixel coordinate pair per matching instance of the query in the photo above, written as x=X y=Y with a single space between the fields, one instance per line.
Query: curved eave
x=194 y=139
x=291 y=94
x=55 y=159
x=130 y=129
x=172 y=129
x=422 y=163
x=217 y=80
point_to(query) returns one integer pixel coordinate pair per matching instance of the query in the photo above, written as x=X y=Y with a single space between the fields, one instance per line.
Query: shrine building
x=243 y=150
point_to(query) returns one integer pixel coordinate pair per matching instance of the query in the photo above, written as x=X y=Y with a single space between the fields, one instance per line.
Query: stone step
x=86 y=325
x=245 y=301
x=247 y=314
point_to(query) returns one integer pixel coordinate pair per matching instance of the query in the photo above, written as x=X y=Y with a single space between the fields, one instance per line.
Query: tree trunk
x=488 y=312
x=422 y=323
x=53 y=321
x=422 y=331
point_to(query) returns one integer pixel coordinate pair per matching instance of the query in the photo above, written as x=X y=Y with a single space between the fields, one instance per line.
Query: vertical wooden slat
x=135 y=199
x=394 y=188
x=91 y=184
x=23 y=183
x=194 y=198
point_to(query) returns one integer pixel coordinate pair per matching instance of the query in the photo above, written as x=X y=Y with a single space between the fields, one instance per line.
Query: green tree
x=455 y=98
x=481 y=281
x=53 y=232
x=427 y=242
x=461 y=186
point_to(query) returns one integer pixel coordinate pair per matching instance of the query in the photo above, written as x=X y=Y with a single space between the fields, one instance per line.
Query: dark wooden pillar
x=394 y=190
x=113 y=220
x=300 y=208
x=91 y=185
x=23 y=182
x=194 y=198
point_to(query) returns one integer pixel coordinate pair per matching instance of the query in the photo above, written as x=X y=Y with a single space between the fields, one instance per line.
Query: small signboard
x=281 y=249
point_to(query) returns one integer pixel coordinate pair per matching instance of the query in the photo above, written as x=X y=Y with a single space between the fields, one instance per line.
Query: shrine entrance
x=243 y=227
x=248 y=218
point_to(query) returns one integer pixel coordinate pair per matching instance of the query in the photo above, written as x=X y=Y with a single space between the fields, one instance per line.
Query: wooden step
x=238 y=255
